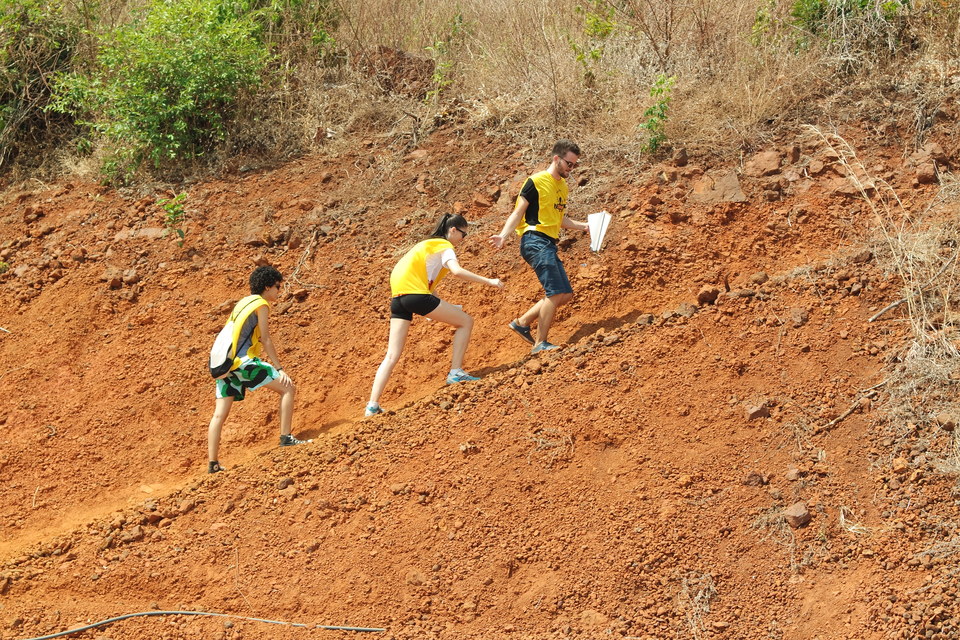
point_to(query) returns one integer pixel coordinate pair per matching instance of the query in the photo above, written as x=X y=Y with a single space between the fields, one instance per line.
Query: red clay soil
x=642 y=482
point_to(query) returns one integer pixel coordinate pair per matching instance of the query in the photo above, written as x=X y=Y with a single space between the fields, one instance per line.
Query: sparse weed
x=598 y=26
x=696 y=592
x=773 y=526
x=558 y=444
x=174 y=216
x=923 y=249
x=849 y=524
x=4 y=267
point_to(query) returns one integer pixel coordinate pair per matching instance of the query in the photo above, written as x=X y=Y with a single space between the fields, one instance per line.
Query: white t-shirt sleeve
x=447 y=256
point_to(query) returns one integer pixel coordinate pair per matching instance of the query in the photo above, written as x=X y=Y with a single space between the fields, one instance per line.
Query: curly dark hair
x=263 y=278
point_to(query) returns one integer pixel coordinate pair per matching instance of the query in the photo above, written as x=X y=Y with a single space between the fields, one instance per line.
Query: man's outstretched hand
x=496 y=241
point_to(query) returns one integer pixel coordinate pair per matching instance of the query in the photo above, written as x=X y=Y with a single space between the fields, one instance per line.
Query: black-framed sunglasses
x=570 y=165
x=462 y=232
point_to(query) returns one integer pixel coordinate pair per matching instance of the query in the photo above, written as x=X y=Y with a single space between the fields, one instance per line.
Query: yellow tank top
x=422 y=268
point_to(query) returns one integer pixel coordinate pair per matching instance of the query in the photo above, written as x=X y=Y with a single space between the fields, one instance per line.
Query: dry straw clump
x=922 y=248
x=729 y=72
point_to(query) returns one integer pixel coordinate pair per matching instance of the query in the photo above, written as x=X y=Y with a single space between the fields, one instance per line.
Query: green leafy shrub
x=166 y=84
x=444 y=53
x=656 y=114
x=4 y=267
x=174 y=216
x=36 y=41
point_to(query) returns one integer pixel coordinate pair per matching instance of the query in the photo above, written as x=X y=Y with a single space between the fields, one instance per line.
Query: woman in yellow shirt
x=412 y=283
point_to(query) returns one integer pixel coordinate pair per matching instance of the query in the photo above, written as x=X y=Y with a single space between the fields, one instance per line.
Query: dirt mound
x=704 y=458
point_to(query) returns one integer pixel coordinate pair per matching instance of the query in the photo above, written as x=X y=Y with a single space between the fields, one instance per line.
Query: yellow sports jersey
x=422 y=268
x=547 y=203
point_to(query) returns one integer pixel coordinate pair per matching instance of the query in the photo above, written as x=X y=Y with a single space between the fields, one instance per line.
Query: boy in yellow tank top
x=250 y=372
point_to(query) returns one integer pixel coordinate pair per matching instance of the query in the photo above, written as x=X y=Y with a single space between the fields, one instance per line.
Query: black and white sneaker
x=289 y=440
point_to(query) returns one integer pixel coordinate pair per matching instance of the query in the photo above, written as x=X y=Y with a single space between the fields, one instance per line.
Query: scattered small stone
x=799 y=316
x=797 y=515
x=946 y=421
x=757 y=412
x=708 y=295
x=686 y=310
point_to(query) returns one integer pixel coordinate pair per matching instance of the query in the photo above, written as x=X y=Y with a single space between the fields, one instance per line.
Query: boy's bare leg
x=288 y=393
x=220 y=413
x=531 y=316
x=544 y=311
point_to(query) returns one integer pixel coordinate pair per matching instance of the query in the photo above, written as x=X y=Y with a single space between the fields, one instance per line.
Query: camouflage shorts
x=252 y=374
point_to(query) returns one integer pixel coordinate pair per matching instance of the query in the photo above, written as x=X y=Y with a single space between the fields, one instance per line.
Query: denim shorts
x=540 y=252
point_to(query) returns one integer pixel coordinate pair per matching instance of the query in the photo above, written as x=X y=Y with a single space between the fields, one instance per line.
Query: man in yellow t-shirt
x=538 y=216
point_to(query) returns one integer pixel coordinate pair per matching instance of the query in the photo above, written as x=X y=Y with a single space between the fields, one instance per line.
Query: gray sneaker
x=289 y=440
x=523 y=332
x=543 y=346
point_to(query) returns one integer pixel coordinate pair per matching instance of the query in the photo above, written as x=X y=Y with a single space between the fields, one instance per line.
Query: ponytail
x=446 y=221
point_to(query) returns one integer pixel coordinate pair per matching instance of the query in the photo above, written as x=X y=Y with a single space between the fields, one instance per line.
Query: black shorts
x=405 y=306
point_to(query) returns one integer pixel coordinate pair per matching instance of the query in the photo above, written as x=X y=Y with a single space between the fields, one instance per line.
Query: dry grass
x=849 y=523
x=513 y=70
x=922 y=247
x=697 y=590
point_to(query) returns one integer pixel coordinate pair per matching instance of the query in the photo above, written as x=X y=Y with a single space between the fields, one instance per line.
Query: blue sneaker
x=460 y=376
x=523 y=332
x=372 y=411
x=543 y=346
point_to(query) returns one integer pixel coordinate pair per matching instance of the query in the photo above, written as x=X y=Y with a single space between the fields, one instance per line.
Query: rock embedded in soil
x=797 y=515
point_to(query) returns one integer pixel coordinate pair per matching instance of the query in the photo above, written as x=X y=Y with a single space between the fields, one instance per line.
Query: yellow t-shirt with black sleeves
x=547 y=203
x=422 y=268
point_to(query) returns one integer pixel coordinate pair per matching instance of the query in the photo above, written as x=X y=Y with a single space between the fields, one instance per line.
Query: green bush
x=166 y=84
x=850 y=27
x=598 y=27
x=298 y=30
x=816 y=16
x=36 y=41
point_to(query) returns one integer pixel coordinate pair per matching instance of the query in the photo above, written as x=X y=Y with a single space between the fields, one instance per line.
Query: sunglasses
x=462 y=232
x=570 y=165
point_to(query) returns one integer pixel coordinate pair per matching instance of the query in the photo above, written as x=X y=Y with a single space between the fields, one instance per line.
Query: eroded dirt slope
x=718 y=369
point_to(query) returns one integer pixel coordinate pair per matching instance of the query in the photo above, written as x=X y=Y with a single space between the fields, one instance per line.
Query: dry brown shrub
x=401 y=67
